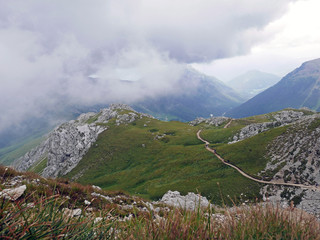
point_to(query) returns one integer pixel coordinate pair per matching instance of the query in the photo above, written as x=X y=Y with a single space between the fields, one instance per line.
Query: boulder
x=191 y=201
x=13 y=193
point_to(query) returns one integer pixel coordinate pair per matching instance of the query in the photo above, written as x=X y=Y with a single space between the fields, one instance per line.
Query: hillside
x=252 y=83
x=300 y=88
x=120 y=149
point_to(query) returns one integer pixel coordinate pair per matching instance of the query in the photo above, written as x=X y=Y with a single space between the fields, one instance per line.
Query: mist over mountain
x=252 y=83
x=194 y=95
x=198 y=95
x=299 y=88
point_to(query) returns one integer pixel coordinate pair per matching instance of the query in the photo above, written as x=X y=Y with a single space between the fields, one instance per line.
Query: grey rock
x=190 y=202
x=71 y=212
x=295 y=157
x=279 y=119
x=96 y=187
x=215 y=121
x=66 y=145
x=13 y=193
x=97 y=219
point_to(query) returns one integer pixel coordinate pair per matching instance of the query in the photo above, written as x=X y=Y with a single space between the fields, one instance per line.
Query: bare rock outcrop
x=66 y=145
x=215 y=121
x=278 y=119
x=189 y=202
x=13 y=193
x=295 y=158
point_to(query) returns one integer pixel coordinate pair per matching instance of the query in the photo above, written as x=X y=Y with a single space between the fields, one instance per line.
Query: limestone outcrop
x=191 y=201
x=215 y=121
x=278 y=119
x=65 y=146
x=295 y=158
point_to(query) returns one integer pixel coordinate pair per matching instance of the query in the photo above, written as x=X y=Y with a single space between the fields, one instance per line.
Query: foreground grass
x=39 y=214
x=255 y=222
x=45 y=220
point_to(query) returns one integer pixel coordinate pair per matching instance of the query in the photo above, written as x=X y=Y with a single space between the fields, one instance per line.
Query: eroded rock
x=191 y=201
x=13 y=193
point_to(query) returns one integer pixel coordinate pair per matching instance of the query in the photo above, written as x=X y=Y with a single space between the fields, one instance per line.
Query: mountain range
x=299 y=88
x=252 y=83
x=198 y=95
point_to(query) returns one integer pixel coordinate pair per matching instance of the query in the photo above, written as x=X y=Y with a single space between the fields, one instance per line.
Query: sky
x=295 y=39
x=61 y=53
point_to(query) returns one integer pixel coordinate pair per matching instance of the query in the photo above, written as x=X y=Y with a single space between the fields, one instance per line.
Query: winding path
x=248 y=176
x=227 y=125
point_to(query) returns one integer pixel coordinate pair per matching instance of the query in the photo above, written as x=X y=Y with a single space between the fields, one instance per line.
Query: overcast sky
x=295 y=39
x=49 y=48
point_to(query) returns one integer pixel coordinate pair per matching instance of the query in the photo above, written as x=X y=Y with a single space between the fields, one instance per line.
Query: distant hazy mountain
x=201 y=96
x=300 y=88
x=253 y=83
x=197 y=95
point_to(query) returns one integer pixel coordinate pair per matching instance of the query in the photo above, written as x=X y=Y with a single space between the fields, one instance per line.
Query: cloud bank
x=48 y=49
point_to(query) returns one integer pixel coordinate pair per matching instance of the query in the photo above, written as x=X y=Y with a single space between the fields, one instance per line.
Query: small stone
x=96 y=187
x=98 y=219
x=190 y=202
x=86 y=202
x=13 y=194
x=71 y=212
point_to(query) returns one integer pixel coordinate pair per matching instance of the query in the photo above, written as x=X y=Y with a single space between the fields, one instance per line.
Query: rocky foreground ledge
x=40 y=208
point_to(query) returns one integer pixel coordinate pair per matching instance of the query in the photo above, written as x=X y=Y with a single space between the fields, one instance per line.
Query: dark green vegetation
x=39 y=166
x=150 y=160
x=300 y=88
x=249 y=154
x=40 y=214
x=9 y=154
x=149 y=157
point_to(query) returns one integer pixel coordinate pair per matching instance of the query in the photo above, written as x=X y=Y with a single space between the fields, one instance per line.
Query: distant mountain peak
x=299 y=88
x=253 y=82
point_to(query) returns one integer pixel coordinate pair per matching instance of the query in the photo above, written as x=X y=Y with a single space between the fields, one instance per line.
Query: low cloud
x=48 y=49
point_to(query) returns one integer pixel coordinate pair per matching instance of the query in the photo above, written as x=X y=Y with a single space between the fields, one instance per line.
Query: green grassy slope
x=9 y=154
x=131 y=158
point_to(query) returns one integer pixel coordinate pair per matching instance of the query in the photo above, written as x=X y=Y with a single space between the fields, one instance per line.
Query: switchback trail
x=248 y=176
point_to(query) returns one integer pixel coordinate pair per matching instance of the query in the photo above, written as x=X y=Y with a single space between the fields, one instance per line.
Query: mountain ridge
x=252 y=83
x=148 y=157
x=299 y=88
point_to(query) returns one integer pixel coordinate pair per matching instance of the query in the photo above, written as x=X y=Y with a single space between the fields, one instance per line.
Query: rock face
x=190 y=202
x=295 y=157
x=65 y=146
x=279 y=119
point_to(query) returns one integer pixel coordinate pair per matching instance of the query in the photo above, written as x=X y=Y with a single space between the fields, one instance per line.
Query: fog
x=75 y=52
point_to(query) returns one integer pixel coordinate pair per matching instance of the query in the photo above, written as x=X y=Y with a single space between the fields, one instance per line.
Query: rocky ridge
x=295 y=157
x=215 y=121
x=65 y=146
x=16 y=183
x=278 y=119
